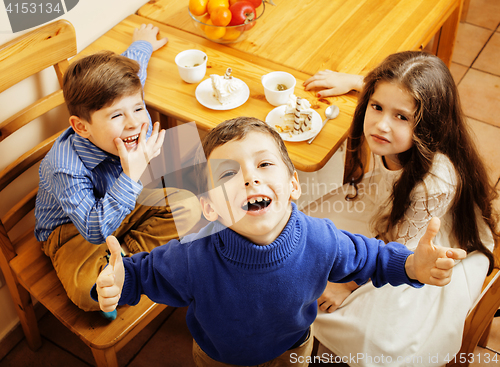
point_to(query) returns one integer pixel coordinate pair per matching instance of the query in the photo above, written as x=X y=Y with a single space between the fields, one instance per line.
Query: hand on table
x=149 y=33
x=135 y=161
x=334 y=295
x=109 y=283
x=334 y=83
x=432 y=264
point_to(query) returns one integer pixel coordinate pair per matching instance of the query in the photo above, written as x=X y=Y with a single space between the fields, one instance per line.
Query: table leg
x=447 y=36
x=465 y=10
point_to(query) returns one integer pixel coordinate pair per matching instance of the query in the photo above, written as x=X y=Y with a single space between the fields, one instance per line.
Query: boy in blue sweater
x=90 y=183
x=252 y=276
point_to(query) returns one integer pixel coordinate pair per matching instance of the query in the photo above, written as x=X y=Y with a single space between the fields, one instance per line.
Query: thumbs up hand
x=109 y=283
x=432 y=264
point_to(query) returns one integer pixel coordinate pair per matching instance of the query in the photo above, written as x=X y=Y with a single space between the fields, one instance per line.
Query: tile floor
x=476 y=69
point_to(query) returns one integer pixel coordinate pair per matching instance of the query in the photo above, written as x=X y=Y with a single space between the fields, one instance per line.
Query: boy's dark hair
x=96 y=81
x=236 y=129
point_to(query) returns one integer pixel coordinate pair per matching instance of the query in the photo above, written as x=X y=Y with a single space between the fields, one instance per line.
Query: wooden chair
x=28 y=272
x=478 y=322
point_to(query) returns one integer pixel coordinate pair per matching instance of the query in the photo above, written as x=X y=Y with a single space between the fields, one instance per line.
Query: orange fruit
x=231 y=34
x=212 y=4
x=204 y=19
x=198 y=7
x=214 y=32
x=221 y=16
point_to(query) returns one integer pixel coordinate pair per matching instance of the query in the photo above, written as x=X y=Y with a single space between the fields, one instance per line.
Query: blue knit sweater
x=247 y=303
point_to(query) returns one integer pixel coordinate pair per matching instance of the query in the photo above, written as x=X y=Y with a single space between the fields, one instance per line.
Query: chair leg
x=28 y=320
x=105 y=357
x=484 y=338
x=24 y=307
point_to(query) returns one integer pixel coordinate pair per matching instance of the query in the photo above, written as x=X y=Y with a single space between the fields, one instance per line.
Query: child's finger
x=328 y=93
x=107 y=305
x=441 y=274
x=162 y=42
x=445 y=263
x=106 y=278
x=109 y=296
x=440 y=277
x=115 y=251
x=430 y=232
x=155 y=141
x=108 y=292
x=122 y=150
x=156 y=128
x=142 y=134
x=159 y=141
x=456 y=253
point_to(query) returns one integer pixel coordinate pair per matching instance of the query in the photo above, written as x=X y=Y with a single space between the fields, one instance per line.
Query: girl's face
x=389 y=120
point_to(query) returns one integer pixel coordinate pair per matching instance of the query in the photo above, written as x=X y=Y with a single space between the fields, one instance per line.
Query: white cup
x=192 y=65
x=272 y=80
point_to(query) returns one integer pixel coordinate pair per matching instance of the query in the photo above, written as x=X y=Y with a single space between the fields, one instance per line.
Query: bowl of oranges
x=225 y=21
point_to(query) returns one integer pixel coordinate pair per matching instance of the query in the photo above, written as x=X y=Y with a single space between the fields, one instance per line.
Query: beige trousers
x=296 y=357
x=161 y=216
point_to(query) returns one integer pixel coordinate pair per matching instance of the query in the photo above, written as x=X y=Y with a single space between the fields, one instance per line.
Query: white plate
x=205 y=95
x=276 y=117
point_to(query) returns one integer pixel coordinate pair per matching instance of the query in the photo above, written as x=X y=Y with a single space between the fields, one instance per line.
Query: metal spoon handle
x=314 y=137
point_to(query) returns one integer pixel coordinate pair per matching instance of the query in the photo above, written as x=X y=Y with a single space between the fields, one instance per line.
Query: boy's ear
x=296 y=189
x=208 y=212
x=80 y=126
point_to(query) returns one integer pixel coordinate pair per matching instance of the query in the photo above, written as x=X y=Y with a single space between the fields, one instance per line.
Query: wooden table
x=350 y=36
x=167 y=93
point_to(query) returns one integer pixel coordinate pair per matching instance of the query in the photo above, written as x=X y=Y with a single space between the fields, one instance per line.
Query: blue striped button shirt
x=83 y=184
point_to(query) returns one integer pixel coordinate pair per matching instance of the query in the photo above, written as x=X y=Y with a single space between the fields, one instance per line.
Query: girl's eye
x=265 y=164
x=376 y=107
x=139 y=109
x=401 y=117
x=115 y=116
x=227 y=174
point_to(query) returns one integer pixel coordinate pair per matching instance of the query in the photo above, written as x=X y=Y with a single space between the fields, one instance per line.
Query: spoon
x=331 y=112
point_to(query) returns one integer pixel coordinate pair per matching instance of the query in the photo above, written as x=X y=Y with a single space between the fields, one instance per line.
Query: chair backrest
x=46 y=46
x=478 y=321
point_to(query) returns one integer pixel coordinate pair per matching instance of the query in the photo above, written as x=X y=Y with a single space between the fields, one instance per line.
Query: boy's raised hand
x=149 y=33
x=134 y=162
x=109 y=283
x=432 y=264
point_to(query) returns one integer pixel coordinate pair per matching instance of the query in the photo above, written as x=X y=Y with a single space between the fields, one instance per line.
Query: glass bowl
x=227 y=34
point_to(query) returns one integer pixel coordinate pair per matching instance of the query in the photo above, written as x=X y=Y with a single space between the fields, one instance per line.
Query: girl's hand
x=334 y=294
x=149 y=33
x=109 y=283
x=432 y=264
x=334 y=82
x=134 y=162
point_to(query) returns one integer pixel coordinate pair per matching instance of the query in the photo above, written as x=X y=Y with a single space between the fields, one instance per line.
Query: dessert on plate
x=297 y=118
x=226 y=88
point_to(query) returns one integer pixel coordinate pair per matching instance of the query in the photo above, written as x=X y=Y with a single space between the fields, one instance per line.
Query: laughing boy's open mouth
x=256 y=203
x=131 y=140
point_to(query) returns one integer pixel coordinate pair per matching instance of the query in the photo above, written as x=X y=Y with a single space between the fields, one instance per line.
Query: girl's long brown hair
x=439 y=127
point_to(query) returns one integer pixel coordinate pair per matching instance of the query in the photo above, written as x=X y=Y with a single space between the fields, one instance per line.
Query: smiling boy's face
x=122 y=119
x=252 y=188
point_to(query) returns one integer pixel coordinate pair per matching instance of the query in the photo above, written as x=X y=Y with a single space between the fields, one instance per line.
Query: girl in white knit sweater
x=424 y=164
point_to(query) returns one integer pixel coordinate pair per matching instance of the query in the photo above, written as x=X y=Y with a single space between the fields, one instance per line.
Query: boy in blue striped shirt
x=89 y=181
